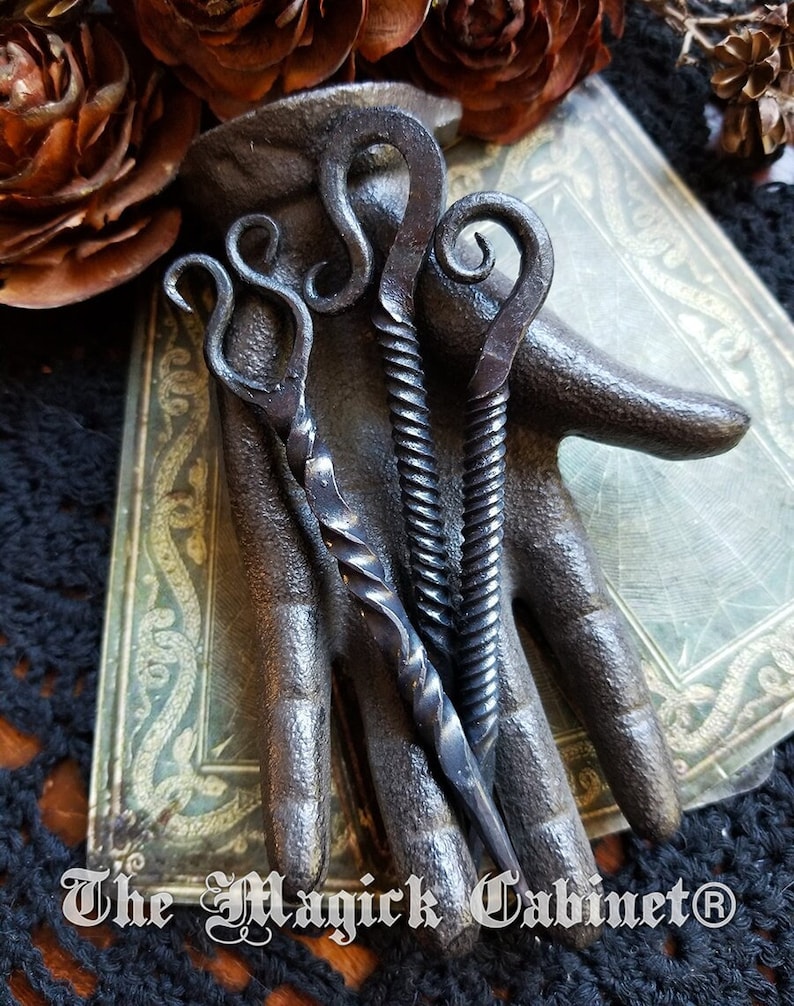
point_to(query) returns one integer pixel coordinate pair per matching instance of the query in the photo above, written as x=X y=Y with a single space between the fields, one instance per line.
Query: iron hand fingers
x=424 y=832
x=286 y=572
x=425 y=835
x=595 y=658
x=573 y=387
x=308 y=623
x=562 y=385
x=532 y=785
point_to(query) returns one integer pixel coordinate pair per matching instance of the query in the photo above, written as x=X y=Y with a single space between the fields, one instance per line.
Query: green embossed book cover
x=700 y=556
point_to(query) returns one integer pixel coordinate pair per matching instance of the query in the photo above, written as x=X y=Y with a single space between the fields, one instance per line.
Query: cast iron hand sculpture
x=306 y=622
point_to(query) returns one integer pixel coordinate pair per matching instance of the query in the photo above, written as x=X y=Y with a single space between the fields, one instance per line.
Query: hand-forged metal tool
x=283 y=406
x=475 y=678
x=351 y=134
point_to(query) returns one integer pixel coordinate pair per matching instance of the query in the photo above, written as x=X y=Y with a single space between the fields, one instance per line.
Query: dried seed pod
x=238 y=53
x=754 y=129
x=508 y=62
x=87 y=137
x=749 y=61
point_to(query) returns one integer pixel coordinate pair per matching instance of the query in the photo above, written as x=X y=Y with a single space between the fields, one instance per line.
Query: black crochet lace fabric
x=61 y=404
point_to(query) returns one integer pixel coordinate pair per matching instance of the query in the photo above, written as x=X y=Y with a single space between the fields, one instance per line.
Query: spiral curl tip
x=171 y=280
x=234 y=237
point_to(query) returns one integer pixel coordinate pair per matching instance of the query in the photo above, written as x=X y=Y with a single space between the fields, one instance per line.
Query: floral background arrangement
x=98 y=106
x=751 y=56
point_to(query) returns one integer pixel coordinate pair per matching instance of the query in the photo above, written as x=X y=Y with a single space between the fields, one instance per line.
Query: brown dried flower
x=752 y=69
x=508 y=61
x=235 y=53
x=749 y=61
x=754 y=75
x=755 y=129
x=86 y=139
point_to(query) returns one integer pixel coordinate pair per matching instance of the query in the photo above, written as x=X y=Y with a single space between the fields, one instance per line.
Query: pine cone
x=86 y=139
x=235 y=53
x=755 y=76
x=778 y=22
x=507 y=61
x=754 y=129
x=750 y=61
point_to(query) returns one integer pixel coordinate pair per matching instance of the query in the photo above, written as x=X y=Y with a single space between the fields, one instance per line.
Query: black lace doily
x=62 y=377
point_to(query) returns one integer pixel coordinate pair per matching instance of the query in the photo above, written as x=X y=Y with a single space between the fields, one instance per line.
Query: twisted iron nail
x=350 y=135
x=484 y=450
x=284 y=406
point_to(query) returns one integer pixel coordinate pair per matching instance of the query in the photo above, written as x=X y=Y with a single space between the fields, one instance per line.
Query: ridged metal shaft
x=414 y=450
x=419 y=683
x=481 y=552
x=484 y=451
x=284 y=406
x=352 y=133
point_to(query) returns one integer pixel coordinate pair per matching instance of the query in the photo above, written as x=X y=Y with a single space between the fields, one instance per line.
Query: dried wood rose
x=236 y=53
x=87 y=138
x=754 y=76
x=507 y=61
x=749 y=60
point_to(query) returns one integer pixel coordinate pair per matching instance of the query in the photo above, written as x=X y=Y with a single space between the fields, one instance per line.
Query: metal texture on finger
x=283 y=405
x=561 y=385
x=352 y=133
x=477 y=682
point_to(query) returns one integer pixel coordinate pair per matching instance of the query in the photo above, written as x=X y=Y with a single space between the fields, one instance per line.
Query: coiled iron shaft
x=354 y=132
x=484 y=451
x=483 y=532
x=417 y=468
